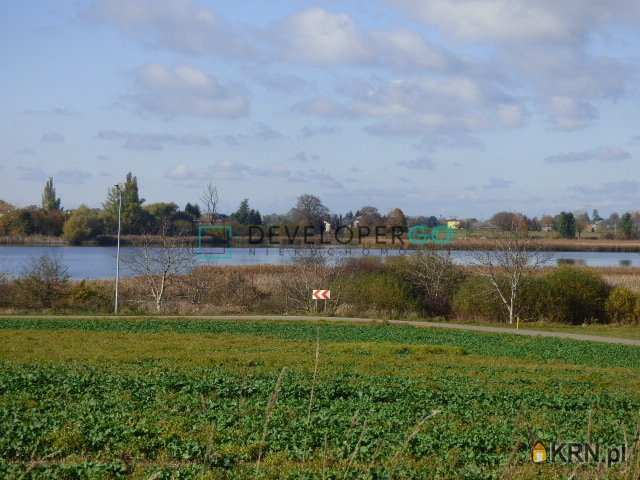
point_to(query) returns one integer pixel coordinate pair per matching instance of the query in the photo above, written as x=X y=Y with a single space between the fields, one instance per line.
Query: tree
x=242 y=214
x=254 y=217
x=506 y=265
x=396 y=218
x=626 y=225
x=566 y=225
x=5 y=207
x=192 y=210
x=210 y=199
x=369 y=217
x=83 y=224
x=595 y=216
x=134 y=218
x=435 y=275
x=49 y=200
x=43 y=283
x=309 y=211
x=582 y=221
x=510 y=221
x=162 y=213
x=17 y=223
x=158 y=265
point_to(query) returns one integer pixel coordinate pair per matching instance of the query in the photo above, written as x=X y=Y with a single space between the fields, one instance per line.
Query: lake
x=99 y=262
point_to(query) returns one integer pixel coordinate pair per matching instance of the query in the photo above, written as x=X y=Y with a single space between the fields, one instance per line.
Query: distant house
x=546 y=227
x=454 y=224
x=327 y=226
x=595 y=226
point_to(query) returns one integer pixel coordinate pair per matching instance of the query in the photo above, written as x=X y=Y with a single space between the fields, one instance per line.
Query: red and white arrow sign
x=321 y=294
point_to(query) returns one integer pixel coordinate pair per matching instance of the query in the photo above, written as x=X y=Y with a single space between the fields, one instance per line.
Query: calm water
x=99 y=262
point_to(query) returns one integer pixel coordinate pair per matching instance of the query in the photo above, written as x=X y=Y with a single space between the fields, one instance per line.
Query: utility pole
x=115 y=309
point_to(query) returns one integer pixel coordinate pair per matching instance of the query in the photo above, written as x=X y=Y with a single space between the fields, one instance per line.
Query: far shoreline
x=463 y=244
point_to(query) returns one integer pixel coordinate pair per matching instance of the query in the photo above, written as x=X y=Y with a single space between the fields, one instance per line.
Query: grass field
x=168 y=398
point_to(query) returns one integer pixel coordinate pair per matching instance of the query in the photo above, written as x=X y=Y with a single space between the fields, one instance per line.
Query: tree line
x=167 y=218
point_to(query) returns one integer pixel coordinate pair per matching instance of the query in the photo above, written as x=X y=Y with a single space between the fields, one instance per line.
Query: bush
x=622 y=305
x=433 y=278
x=382 y=291
x=575 y=295
x=90 y=297
x=44 y=284
x=477 y=299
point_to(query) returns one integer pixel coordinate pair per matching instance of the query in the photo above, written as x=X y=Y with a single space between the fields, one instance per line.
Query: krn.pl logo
x=538 y=453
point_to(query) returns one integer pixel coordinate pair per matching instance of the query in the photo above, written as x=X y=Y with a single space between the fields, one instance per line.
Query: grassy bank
x=197 y=399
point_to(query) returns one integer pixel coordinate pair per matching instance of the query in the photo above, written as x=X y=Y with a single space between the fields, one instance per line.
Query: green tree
x=242 y=214
x=83 y=224
x=566 y=225
x=193 y=210
x=49 y=200
x=595 y=216
x=162 y=215
x=254 y=217
x=582 y=222
x=134 y=218
x=626 y=225
x=17 y=222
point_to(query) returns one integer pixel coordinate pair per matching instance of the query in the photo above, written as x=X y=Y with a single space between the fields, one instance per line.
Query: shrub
x=533 y=299
x=576 y=295
x=433 y=278
x=476 y=298
x=90 y=297
x=43 y=284
x=382 y=291
x=621 y=305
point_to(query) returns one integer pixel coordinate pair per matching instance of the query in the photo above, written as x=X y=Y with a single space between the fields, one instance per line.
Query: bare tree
x=210 y=200
x=310 y=272
x=159 y=264
x=435 y=274
x=512 y=258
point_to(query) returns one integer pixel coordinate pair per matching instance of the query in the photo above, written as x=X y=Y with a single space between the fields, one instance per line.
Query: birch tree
x=512 y=258
x=158 y=264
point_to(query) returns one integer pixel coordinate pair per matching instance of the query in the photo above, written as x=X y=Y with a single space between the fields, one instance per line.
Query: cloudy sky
x=443 y=107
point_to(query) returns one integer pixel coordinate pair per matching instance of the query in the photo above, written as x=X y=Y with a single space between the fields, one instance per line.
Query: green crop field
x=171 y=398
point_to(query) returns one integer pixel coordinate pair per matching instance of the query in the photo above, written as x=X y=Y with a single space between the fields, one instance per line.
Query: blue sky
x=439 y=107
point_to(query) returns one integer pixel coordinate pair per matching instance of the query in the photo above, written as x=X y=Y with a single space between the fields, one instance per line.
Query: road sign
x=321 y=294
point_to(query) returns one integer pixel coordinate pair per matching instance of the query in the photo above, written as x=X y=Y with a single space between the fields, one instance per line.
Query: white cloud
x=601 y=154
x=544 y=47
x=152 y=141
x=180 y=25
x=571 y=114
x=520 y=20
x=318 y=36
x=185 y=90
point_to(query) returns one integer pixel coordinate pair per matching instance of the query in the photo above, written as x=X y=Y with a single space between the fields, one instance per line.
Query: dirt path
x=420 y=324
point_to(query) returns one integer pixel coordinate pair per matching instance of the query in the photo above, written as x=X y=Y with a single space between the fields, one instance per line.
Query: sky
x=458 y=108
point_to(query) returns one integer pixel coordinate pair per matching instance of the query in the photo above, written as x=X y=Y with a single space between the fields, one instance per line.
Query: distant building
x=547 y=227
x=327 y=226
x=454 y=224
x=596 y=226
